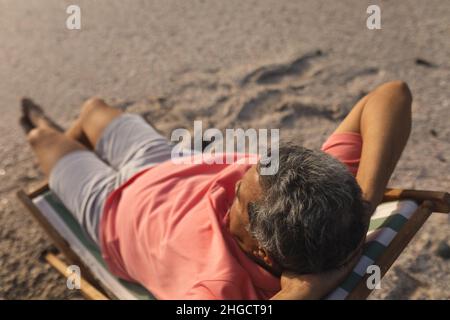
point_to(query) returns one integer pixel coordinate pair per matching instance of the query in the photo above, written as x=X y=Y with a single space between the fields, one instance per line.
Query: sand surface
x=294 y=65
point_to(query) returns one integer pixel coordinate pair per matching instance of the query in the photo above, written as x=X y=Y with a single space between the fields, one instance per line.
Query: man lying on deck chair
x=223 y=231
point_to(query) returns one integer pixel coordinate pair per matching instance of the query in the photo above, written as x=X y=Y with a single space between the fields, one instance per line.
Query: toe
x=26 y=124
x=28 y=106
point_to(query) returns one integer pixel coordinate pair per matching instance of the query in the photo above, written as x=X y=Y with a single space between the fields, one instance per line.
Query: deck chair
x=392 y=226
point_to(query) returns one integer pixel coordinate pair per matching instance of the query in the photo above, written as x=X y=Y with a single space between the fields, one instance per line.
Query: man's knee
x=91 y=105
x=95 y=110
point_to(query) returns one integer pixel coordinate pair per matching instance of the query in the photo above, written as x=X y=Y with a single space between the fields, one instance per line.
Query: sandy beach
x=294 y=65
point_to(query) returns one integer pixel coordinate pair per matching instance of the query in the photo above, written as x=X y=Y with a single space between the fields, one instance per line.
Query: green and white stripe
x=386 y=222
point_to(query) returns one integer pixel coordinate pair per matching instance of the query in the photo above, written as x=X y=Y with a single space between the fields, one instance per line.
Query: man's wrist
x=297 y=293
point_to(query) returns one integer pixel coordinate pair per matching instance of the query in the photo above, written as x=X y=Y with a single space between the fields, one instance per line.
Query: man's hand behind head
x=314 y=286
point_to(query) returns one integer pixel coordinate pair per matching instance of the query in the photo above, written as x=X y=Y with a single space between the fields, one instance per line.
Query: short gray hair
x=311 y=215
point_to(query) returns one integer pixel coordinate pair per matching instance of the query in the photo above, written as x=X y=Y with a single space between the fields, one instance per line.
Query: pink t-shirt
x=166 y=229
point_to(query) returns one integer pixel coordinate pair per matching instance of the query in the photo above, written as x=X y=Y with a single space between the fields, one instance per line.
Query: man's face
x=248 y=190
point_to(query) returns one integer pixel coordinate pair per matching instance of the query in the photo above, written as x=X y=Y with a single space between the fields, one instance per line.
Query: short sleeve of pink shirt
x=346 y=147
x=166 y=228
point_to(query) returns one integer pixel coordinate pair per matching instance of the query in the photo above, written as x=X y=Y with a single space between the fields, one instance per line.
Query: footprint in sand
x=273 y=74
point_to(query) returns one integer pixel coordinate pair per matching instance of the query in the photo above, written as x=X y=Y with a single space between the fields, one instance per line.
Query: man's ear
x=264 y=255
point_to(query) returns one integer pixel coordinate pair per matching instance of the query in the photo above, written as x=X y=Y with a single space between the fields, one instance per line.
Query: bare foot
x=34 y=116
x=26 y=125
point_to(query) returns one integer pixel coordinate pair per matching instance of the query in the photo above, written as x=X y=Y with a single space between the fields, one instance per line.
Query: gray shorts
x=84 y=179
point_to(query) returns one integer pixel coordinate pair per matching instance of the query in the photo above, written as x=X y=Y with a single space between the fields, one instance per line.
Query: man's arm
x=314 y=286
x=383 y=118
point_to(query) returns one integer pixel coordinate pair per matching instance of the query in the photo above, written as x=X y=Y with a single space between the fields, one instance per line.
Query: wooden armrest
x=441 y=200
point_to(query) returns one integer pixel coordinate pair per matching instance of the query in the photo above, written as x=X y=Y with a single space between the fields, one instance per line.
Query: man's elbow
x=401 y=95
x=403 y=90
x=400 y=89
